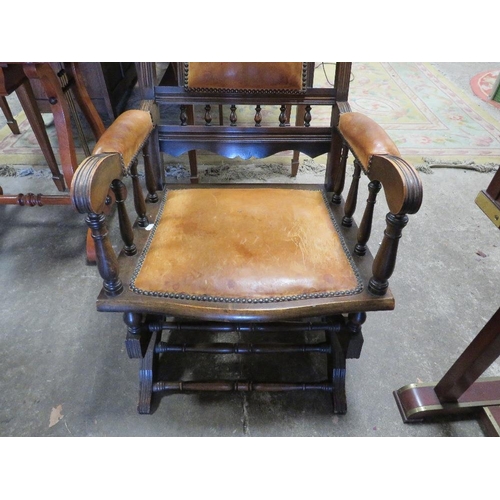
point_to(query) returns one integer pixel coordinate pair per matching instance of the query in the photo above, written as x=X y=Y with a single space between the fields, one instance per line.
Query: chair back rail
x=233 y=138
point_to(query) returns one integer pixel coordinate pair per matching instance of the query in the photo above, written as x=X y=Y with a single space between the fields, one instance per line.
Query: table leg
x=28 y=102
x=11 y=122
x=476 y=358
x=460 y=389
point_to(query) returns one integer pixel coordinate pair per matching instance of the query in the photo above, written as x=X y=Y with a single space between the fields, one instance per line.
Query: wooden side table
x=107 y=84
x=13 y=79
x=19 y=77
x=461 y=390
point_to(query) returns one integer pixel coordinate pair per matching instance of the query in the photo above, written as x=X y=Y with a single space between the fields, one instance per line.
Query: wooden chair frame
x=340 y=318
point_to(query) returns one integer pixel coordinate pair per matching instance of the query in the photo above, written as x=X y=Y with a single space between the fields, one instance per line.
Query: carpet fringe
x=260 y=172
x=7 y=171
x=430 y=163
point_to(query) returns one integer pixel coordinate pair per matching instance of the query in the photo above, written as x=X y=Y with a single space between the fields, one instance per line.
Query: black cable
x=322 y=64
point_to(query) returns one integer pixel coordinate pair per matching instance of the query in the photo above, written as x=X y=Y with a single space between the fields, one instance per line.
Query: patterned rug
x=432 y=121
x=427 y=116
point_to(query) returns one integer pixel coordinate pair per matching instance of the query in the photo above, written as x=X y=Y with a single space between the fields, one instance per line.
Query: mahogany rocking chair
x=249 y=258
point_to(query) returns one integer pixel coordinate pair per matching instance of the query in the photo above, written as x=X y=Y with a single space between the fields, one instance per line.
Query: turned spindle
x=139 y=203
x=365 y=228
x=183 y=116
x=208 y=115
x=307 y=116
x=232 y=116
x=339 y=180
x=283 y=119
x=258 y=115
x=352 y=197
x=126 y=232
x=152 y=197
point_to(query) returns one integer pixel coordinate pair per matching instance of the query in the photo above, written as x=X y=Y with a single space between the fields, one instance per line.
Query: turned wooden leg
x=147 y=374
x=138 y=334
x=351 y=337
x=336 y=374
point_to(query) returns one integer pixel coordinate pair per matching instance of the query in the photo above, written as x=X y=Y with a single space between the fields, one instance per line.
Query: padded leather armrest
x=126 y=135
x=381 y=160
x=365 y=137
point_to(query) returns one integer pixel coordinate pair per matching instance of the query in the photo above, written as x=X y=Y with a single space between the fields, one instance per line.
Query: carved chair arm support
x=380 y=159
x=89 y=191
x=403 y=191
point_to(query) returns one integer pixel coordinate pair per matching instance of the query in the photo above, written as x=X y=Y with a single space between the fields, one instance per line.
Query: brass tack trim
x=244 y=300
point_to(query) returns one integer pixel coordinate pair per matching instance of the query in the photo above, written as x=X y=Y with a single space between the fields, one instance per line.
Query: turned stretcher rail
x=228 y=348
x=240 y=386
x=34 y=200
x=243 y=327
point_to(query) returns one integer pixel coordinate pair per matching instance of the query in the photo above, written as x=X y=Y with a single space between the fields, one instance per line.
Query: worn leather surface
x=246 y=75
x=242 y=242
x=125 y=135
x=366 y=137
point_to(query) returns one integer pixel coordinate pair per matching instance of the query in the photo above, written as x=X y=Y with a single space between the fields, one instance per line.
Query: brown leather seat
x=222 y=244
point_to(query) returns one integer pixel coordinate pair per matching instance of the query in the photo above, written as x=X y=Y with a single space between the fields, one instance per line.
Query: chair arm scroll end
x=401 y=182
x=92 y=181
